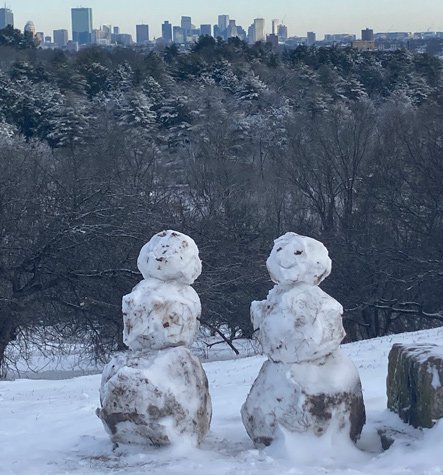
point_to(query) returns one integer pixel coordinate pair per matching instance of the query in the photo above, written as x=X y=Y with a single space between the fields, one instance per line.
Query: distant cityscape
x=84 y=34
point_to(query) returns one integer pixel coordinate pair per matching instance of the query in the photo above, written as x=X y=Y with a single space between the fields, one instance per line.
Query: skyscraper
x=142 y=32
x=205 y=30
x=275 y=24
x=223 y=22
x=6 y=18
x=231 y=31
x=186 y=25
x=167 y=32
x=60 y=38
x=177 y=34
x=217 y=32
x=101 y=36
x=107 y=32
x=241 y=33
x=273 y=40
x=282 y=33
x=367 y=35
x=311 y=38
x=81 y=25
x=251 y=34
x=222 y=27
x=259 y=26
x=29 y=28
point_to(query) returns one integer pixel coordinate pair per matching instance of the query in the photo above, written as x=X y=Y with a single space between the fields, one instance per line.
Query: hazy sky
x=321 y=16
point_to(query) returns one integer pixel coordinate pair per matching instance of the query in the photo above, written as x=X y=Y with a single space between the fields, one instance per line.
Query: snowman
x=307 y=384
x=157 y=392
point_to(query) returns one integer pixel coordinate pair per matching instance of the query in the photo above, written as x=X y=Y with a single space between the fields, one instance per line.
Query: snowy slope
x=51 y=427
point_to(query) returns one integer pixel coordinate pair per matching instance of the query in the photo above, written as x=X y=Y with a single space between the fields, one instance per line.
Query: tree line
x=233 y=145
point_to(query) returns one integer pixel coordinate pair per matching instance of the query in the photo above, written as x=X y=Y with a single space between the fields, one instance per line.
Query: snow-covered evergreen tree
x=121 y=80
x=250 y=88
x=68 y=125
x=135 y=110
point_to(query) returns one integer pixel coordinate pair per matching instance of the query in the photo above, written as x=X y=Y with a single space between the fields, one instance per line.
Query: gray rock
x=390 y=436
x=414 y=383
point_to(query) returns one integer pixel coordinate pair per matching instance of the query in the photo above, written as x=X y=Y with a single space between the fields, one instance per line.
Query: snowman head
x=295 y=259
x=170 y=256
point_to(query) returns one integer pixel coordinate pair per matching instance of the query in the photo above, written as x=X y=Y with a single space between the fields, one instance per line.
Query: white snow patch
x=50 y=427
x=436 y=383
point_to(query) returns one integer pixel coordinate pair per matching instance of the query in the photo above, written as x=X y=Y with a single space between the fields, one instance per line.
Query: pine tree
x=250 y=88
x=135 y=110
x=68 y=125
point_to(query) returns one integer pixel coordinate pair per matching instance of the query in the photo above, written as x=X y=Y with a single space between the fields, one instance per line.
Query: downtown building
x=6 y=18
x=60 y=38
x=186 y=26
x=221 y=28
x=167 y=32
x=311 y=38
x=367 y=34
x=256 y=32
x=142 y=34
x=231 y=31
x=282 y=33
x=81 y=25
x=178 y=35
x=205 y=30
x=259 y=27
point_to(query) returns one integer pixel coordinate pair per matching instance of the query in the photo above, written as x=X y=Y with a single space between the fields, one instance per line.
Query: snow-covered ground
x=50 y=427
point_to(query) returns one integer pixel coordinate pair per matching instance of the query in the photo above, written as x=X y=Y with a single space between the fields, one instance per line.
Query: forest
x=234 y=145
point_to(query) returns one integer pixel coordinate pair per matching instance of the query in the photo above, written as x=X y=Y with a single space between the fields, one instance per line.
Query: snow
x=50 y=427
x=299 y=323
x=333 y=374
x=170 y=255
x=159 y=314
x=155 y=397
x=436 y=383
x=282 y=395
x=296 y=258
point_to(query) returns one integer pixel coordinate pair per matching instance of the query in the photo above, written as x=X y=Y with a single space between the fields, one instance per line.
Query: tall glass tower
x=167 y=32
x=259 y=25
x=6 y=18
x=142 y=34
x=223 y=21
x=81 y=25
x=186 y=25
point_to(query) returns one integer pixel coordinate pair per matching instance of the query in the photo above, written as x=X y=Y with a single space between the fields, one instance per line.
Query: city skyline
x=319 y=16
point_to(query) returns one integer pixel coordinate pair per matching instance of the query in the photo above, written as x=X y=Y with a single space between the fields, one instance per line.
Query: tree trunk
x=8 y=333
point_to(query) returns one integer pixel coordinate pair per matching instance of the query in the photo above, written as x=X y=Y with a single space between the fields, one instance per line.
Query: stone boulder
x=414 y=383
x=155 y=397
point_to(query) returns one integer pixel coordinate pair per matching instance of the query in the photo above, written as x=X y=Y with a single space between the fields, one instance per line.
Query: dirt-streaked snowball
x=170 y=256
